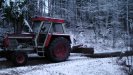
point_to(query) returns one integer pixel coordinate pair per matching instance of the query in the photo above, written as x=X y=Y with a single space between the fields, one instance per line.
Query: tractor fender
x=51 y=37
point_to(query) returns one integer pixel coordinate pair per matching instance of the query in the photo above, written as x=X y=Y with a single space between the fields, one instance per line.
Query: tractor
x=45 y=37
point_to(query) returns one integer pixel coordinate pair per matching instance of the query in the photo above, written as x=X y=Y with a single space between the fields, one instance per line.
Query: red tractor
x=46 y=37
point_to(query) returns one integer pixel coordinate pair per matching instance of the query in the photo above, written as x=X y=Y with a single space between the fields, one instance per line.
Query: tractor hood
x=21 y=38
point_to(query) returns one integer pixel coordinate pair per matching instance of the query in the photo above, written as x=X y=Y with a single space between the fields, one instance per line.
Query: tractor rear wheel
x=19 y=58
x=59 y=50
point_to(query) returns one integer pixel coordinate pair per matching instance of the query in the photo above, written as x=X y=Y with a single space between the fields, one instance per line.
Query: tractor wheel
x=19 y=58
x=59 y=50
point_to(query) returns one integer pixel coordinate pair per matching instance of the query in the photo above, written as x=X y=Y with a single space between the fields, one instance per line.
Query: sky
x=46 y=9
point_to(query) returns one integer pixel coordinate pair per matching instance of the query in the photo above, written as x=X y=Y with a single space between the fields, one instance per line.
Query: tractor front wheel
x=19 y=58
x=59 y=50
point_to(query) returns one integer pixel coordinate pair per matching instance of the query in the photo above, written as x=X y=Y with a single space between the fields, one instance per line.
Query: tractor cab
x=44 y=25
x=44 y=28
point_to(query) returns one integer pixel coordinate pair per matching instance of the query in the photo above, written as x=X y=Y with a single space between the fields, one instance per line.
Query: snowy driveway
x=76 y=65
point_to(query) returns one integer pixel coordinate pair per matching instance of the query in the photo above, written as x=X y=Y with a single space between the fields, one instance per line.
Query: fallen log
x=80 y=49
x=111 y=54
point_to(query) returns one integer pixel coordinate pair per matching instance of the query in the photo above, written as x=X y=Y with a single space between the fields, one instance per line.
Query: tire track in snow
x=23 y=70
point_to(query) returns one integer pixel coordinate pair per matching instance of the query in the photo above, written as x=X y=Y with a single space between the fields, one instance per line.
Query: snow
x=75 y=65
x=100 y=44
x=2 y=59
x=103 y=42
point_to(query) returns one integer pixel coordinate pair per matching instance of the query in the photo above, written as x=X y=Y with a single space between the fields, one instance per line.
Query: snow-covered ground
x=100 y=44
x=76 y=65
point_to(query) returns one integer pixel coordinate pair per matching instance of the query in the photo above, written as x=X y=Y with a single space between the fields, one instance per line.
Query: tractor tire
x=59 y=50
x=19 y=58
